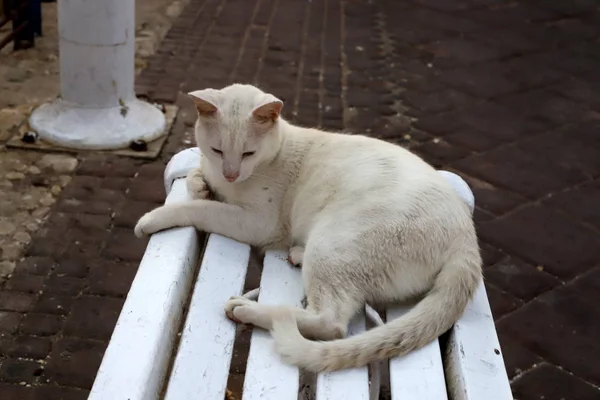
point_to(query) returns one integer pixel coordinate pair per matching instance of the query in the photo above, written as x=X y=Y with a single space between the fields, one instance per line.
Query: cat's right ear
x=206 y=101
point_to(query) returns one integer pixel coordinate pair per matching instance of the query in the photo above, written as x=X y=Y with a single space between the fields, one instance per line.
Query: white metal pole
x=97 y=108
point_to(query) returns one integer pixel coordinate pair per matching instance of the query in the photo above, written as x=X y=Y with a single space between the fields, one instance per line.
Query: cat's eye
x=248 y=153
x=217 y=151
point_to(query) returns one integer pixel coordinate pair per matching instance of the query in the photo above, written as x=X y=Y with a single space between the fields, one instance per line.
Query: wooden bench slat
x=418 y=374
x=201 y=367
x=136 y=360
x=267 y=376
x=350 y=384
x=474 y=363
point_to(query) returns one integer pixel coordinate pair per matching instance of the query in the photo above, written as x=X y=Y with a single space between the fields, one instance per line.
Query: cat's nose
x=231 y=177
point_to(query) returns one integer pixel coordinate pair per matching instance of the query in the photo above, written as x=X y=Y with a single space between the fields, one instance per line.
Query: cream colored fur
x=370 y=222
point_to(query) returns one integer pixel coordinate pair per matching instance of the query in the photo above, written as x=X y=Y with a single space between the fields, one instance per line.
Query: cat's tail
x=433 y=315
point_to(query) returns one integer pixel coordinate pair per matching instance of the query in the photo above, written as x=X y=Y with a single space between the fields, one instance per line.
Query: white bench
x=158 y=351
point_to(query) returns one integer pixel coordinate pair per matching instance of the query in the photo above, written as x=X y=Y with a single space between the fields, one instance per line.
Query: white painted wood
x=418 y=374
x=202 y=362
x=349 y=384
x=138 y=354
x=474 y=363
x=267 y=376
x=461 y=187
x=180 y=164
x=97 y=108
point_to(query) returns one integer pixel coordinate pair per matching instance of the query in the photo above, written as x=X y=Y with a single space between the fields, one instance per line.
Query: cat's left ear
x=268 y=110
x=206 y=101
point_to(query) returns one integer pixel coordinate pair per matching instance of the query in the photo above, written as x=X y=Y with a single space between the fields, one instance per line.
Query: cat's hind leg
x=329 y=311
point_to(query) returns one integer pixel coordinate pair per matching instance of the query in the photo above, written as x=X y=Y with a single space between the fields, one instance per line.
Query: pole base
x=68 y=125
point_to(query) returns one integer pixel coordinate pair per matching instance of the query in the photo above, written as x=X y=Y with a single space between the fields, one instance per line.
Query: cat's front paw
x=196 y=185
x=148 y=224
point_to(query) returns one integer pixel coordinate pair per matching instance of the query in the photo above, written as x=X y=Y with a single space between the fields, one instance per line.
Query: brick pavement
x=505 y=93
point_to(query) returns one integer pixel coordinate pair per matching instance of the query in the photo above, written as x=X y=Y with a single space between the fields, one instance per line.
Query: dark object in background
x=138 y=145
x=26 y=18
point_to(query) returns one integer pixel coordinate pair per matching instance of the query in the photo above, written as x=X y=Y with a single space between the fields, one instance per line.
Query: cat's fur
x=370 y=222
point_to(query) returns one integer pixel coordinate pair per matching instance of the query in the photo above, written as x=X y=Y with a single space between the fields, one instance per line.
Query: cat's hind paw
x=241 y=310
x=296 y=255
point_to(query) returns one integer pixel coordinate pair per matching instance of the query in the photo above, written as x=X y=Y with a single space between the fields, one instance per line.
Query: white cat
x=370 y=222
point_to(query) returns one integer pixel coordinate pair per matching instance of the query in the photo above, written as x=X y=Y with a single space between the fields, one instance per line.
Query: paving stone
x=484 y=126
x=26 y=283
x=93 y=317
x=492 y=198
x=54 y=304
x=582 y=92
x=131 y=212
x=41 y=324
x=64 y=285
x=536 y=234
x=501 y=302
x=438 y=101
x=480 y=215
x=35 y=266
x=15 y=370
x=551 y=383
x=581 y=202
x=29 y=347
x=74 y=362
x=76 y=268
x=439 y=153
x=546 y=105
x=13 y=391
x=9 y=321
x=490 y=254
x=109 y=278
x=527 y=173
x=523 y=280
x=478 y=81
x=517 y=358
x=459 y=51
x=16 y=301
x=152 y=191
x=123 y=245
x=47 y=392
x=562 y=326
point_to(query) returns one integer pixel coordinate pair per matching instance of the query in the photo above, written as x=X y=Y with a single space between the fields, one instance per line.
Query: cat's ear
x=206 y=101
x=268 y=109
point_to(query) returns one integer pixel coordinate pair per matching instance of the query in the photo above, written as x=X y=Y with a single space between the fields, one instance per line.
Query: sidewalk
x=507 y=94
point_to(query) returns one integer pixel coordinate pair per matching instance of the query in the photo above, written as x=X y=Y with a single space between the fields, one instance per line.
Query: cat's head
x=237 y=128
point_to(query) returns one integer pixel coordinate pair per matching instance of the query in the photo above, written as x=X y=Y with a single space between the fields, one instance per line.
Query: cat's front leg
x=196 y=185
x=161 y=218
x=253 y=227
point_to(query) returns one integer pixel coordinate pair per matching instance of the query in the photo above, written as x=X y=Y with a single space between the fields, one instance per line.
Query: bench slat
x=350 y=384
x=267 y=376
x=418 y=374
x=136 y=360
x=474 y=363
x=202 y=363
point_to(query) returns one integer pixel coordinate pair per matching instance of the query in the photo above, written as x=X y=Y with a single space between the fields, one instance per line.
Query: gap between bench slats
x=201 y=366
x=136 y=360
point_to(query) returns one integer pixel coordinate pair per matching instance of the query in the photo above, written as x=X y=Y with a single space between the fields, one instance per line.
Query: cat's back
x=368 y=173
x=360 y=162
